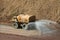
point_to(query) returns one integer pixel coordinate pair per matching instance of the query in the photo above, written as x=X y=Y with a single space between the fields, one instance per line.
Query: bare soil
x=10 y=33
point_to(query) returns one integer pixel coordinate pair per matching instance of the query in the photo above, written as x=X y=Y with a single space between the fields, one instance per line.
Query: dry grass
x=43 y=9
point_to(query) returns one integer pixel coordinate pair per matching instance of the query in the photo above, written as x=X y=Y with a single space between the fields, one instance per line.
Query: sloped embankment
x=43 y=9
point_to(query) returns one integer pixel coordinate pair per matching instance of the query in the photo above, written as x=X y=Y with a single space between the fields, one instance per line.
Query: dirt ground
x=12 y=30
x=15 y=37
x=10 y=33
x=4 y=36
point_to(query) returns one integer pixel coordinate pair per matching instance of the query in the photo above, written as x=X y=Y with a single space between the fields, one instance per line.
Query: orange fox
x=23 y=19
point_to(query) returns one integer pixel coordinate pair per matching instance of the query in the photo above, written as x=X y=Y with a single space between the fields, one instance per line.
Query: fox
x=21 y=20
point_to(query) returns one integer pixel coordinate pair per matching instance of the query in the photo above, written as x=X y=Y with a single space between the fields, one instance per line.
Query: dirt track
x=15 y=37
x=9 y=33
x=19 y=37
x=12 y=30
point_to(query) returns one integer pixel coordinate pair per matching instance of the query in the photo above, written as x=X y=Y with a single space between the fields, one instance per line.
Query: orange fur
x=23 y=18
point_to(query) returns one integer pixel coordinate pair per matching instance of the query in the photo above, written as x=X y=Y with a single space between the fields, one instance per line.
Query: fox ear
x=58 y=22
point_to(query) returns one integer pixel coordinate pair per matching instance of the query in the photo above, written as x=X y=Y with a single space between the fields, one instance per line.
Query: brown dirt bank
x=4 y=36
x=43 y=9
